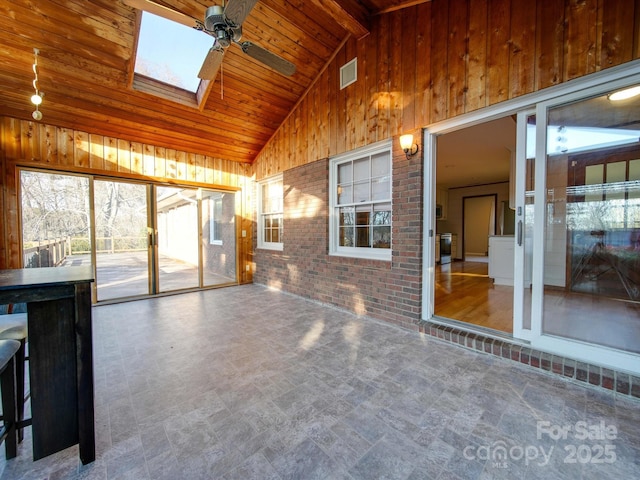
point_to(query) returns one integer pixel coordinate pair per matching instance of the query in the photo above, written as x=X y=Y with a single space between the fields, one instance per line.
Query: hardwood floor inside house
x=464 y=292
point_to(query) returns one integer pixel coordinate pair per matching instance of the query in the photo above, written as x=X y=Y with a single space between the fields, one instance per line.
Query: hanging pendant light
x=36 y=98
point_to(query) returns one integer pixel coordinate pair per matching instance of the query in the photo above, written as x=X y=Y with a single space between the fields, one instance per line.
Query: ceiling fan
x=224 y=24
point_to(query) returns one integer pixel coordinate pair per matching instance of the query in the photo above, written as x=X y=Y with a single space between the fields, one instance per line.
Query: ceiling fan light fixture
x=625 y=94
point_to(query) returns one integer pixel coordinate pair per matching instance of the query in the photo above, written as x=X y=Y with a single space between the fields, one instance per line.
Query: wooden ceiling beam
x=400 y=6
x=349 y=14
x=305 y=23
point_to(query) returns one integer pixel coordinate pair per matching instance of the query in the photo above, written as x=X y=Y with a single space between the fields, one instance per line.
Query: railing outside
x=51 y=253
x=109 y=244
x=48 y=253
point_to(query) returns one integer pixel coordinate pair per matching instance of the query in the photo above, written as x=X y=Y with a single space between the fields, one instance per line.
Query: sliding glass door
x=218 y=245
x=121 y=240
x=578 y=256
x=196 y=238
x=56 y=219
x=142 y=239
x=524 y=189
x=176 y=212
x=591 y=259
x=576 y=245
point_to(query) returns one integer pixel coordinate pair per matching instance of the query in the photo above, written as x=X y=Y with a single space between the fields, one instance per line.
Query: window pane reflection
x=592 y=248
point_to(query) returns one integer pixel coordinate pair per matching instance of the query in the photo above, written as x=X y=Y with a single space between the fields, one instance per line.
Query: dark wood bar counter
x=60 y=355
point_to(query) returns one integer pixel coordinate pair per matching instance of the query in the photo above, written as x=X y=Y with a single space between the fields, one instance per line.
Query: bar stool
x=8 y=434
x=13 y=326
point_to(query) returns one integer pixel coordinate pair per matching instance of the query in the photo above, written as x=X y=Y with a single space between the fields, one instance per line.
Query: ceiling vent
x=349 y=73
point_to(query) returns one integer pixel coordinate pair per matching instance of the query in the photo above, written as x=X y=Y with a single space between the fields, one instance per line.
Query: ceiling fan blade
x=237 y=10
x=162 y=11
x=270 y=59
x=211 y=64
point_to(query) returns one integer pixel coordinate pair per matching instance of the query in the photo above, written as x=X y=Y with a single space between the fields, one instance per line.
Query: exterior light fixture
x=36 y=98
x=407 y=145
x=625 y=94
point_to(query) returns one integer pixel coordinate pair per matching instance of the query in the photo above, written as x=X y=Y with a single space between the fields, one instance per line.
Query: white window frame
x=213 y=199
x=279 y=246
x=334 y=218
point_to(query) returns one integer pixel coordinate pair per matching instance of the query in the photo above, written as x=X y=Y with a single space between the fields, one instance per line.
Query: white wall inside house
x=479 y=223
x=454 y=221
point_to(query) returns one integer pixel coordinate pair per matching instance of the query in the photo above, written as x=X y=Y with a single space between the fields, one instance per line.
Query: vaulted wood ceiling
x=85 y=68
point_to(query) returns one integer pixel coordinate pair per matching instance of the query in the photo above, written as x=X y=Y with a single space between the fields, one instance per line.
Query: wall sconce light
x=406 y=144
x=36 y=98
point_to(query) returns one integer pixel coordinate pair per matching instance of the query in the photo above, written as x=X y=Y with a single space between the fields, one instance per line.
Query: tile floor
x=248 y=383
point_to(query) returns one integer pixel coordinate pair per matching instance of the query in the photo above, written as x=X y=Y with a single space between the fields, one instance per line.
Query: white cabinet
x=501 y=251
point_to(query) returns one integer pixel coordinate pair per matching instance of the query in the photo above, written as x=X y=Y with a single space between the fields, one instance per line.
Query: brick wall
x=390 y=291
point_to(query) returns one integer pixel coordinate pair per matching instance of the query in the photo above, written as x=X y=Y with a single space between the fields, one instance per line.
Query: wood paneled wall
x=39 y=145
x=72 y=150
x=433 y=61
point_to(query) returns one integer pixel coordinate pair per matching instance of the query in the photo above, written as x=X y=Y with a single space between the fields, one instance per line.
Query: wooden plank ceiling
x=87 y=52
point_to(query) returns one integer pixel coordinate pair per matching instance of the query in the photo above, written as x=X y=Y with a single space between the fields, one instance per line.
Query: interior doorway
x=479 y=220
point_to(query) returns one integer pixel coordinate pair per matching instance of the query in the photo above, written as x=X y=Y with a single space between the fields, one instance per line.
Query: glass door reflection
x=176 y=212
x=218 y=238
x=592 y=225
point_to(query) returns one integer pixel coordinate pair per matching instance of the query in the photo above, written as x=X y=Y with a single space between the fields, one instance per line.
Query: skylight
x=170 y=52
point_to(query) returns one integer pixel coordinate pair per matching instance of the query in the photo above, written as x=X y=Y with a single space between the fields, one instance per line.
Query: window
x=270 y=213
x=215 y=220
x=360 y=203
